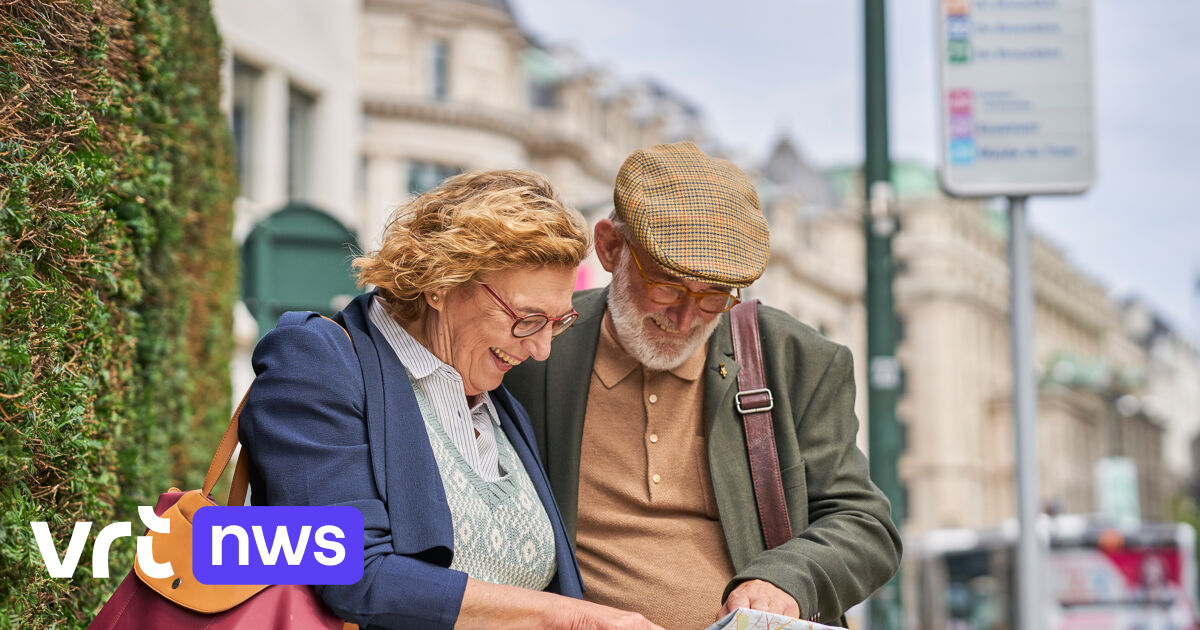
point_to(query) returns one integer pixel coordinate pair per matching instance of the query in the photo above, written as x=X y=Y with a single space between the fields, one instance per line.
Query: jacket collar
x=416 y=357
x=720 y=371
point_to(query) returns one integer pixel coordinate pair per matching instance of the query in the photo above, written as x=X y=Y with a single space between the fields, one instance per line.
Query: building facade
x=1171 y=365
x=342 y=111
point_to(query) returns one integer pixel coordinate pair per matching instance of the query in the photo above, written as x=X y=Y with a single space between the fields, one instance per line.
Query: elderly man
x=636 y=420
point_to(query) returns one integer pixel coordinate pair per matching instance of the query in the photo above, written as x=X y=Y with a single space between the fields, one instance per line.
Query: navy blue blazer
x=324 y=428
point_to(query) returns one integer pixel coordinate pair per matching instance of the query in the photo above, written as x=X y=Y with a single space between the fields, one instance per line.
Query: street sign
x=1016 y=97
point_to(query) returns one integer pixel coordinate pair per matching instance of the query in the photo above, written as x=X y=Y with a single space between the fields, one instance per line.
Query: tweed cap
x=696 y=215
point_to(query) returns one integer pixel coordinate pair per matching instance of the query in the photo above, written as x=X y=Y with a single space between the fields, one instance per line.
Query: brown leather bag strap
x=241 y=480
x=754 y=402
x=224 y=450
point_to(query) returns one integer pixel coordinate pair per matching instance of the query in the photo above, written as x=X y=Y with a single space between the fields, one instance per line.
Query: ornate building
x=1171 y=365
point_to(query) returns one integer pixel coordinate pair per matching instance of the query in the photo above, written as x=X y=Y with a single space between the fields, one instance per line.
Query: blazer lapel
x=354 y=318
x=728 y=461
x=568 y=376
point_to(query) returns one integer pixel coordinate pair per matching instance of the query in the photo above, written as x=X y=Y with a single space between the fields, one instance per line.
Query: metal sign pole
x=1024 y=415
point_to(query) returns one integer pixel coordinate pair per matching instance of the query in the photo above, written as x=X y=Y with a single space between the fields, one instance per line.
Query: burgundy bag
x=180 y=601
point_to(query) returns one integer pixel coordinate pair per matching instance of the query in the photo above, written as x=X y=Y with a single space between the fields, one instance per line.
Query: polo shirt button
x=654 y=438
x=656 y=478
x=653 y=398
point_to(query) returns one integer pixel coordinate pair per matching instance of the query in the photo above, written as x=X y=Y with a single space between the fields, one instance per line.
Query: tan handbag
x=180 y=601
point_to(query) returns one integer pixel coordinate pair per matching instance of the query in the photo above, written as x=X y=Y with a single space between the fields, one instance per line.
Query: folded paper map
x=747 y=619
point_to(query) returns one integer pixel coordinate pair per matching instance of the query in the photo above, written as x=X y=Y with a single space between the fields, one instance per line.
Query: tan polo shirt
x=649 y=537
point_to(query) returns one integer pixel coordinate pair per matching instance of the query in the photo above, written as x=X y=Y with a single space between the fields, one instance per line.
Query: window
x=245 y=80
x=543 y=95
x=300 y=142
x=423 y=176
x=440 y=68
x=543 y=77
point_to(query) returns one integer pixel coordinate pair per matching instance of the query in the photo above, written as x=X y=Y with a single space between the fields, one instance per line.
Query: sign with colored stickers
x=1016 y=96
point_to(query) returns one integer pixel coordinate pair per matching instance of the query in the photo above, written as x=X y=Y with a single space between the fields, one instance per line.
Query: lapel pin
x=722 y=368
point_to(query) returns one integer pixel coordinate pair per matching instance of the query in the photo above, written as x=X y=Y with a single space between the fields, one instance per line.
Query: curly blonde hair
x=472 y=224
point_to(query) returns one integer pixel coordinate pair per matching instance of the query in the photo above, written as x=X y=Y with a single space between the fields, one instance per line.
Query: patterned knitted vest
x=501 y=531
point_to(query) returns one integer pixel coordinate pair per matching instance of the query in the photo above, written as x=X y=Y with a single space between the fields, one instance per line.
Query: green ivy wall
x=117 y=278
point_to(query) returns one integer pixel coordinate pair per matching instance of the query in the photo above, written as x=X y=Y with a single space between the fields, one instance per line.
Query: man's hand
x=760 y=595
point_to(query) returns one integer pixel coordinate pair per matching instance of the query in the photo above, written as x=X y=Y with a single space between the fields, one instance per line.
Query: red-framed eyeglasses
x=526 y=325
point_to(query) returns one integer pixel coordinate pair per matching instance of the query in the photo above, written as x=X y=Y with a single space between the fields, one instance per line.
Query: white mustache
x=667 y=324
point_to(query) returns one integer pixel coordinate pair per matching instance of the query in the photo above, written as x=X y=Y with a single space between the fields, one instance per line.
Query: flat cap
x=696 y=215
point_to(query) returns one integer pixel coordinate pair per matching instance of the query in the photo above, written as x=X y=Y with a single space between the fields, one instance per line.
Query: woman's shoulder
x=305 y=339
x=313 y=323
x=306 y=357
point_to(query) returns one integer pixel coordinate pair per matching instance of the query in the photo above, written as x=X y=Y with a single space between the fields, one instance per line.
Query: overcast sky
x=758 y=67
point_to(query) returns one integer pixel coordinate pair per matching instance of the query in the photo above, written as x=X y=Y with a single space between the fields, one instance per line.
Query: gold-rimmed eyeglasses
x=667 y=293
x=527 y=325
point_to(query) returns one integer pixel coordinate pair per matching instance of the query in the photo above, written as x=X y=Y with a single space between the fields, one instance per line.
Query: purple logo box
x=962 y=126
x=277 y=545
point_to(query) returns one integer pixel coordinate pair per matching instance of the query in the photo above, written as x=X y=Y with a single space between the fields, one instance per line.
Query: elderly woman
x=461 y=531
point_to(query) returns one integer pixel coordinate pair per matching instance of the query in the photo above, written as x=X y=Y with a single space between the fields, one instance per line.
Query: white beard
x=654 y=351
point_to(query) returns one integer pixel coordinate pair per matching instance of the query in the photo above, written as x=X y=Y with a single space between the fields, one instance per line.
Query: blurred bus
x=1095 y=577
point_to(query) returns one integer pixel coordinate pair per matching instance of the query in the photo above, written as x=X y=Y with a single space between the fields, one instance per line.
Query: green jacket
x=845 y=544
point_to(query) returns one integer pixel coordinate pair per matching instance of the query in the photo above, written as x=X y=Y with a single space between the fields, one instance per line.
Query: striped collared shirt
x=443 y=386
